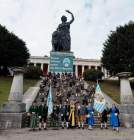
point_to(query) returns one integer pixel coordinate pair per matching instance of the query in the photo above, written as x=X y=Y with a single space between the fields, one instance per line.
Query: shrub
x=32 y=72
x=92 y=75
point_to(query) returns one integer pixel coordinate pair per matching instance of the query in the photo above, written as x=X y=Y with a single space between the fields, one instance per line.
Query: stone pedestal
x=11 y=115
x=12 y=120
x=127 y=100
x=127 y=115
x=14 y=107
x=61 y=62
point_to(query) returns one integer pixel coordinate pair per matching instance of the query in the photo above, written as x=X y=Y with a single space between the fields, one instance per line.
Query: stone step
x=29 y=97
x=96 y=121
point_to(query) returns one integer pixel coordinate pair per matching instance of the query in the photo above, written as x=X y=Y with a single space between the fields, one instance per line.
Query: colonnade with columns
x=80 y=69
x=80 y=65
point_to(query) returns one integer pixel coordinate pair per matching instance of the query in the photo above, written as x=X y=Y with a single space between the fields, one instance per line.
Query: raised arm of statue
x=71 y=16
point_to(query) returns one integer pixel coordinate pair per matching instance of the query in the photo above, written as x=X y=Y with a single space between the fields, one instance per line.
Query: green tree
x=32 y=72
x=13 y=50
x=118 y=51
x=93 y=75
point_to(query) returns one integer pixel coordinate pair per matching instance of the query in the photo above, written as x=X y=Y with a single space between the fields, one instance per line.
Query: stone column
x=105 y=73
x=12 y=112
x=34 y=64
x=42 y=66
x=16 y=91
x=82 y=70
x=126 y=99
x=76 y=70
x=89 y=67
x=14 y=103
x=126 y=95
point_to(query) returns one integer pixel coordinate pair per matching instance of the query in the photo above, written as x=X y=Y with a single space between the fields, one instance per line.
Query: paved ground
x=96 y=134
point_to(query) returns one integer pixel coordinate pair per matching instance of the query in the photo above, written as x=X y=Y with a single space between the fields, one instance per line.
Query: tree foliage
x=13 y=50
x=118 y=51
x=92 y=75
x=32 y=72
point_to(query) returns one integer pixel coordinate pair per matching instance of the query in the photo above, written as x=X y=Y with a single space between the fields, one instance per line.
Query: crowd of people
x=72 y=105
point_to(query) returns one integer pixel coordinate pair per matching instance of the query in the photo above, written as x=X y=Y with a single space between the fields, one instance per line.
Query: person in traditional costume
x=64 y=112
x=114 y=118
x=80 y=113
x=104 y=118
x=72 y=114
x=90 y=116
x=58 y=96
x=55 y=115
x=42 y=114
x=85 y=96
x=67 y=114
x=33 y=112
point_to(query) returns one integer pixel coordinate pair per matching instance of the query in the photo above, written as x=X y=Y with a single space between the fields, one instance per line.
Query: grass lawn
x=111 y=88
x=5 y=85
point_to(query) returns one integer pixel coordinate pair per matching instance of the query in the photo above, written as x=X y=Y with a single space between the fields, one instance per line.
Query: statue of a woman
x=61 y=40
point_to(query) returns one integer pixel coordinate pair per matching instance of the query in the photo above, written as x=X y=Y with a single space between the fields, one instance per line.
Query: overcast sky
x=35 y=20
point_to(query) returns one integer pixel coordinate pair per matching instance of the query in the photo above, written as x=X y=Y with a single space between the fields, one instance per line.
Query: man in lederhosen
x=64 y=112
x=42 y=113
x=33 y=113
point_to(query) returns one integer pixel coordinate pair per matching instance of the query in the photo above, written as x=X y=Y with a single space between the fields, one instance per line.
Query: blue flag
x=99 y=100
x=50 y=102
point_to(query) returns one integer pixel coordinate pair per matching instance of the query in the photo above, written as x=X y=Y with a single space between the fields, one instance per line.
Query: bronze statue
x=61 y=40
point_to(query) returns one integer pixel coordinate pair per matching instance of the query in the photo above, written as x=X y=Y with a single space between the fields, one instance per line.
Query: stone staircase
x=51 y=124
x=96 y=123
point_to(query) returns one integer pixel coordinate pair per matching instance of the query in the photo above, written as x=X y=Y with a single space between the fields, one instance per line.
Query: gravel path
x=96 y=134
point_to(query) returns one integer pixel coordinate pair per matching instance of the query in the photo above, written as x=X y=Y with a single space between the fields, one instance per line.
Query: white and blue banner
x=50 y=102
x=99 y=100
